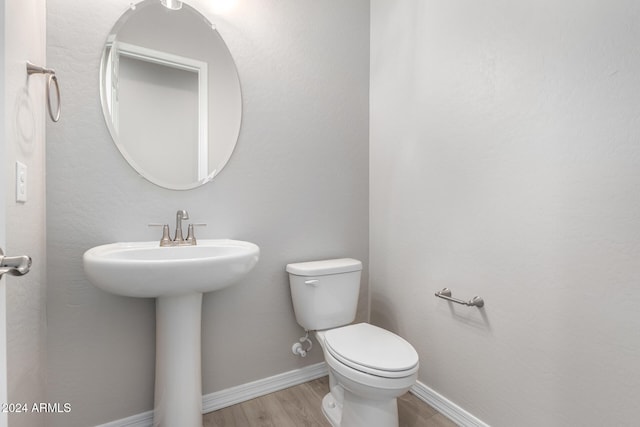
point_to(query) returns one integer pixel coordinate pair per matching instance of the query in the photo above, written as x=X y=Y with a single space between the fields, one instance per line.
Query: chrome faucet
x=180 y=215
x=178 y=239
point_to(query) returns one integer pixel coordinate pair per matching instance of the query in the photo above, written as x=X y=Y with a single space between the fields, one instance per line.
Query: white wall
x=24 y=133
x=505 y=162
x=296 y=186
x=146 y=91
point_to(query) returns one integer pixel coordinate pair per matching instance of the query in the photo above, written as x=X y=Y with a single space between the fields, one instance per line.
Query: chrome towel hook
x=51 y=80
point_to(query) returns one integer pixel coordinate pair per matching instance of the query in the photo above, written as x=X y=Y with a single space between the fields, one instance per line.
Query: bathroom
x=488 y=147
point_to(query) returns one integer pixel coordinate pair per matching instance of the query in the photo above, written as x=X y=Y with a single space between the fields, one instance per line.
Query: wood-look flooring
x=300 y=406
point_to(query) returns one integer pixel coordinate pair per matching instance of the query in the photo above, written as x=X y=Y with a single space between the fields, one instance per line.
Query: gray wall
x=505 y=162
x=297 y=185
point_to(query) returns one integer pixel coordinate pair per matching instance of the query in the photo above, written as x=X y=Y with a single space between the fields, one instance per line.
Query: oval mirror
x=170 y=94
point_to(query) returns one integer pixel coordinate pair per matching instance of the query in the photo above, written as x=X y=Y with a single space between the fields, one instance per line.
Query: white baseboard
x=231 y=396
x=446 y=407
x=144 y=419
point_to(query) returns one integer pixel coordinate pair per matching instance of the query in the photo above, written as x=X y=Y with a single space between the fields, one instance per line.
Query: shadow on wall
x=469 y=316
x=474 y=317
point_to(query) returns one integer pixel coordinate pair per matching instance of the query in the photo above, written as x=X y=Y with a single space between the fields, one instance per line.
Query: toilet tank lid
x=327 y=266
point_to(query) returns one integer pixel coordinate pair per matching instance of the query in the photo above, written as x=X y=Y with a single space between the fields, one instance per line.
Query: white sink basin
x=144 y=269
x=176 y=276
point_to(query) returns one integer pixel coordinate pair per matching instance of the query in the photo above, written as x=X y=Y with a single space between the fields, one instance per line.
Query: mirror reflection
x=170 y=94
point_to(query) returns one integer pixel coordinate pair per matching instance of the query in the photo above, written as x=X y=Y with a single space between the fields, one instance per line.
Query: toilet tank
x=325 y=293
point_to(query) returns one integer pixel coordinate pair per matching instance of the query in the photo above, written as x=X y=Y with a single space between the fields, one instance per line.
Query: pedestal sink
x=177 y=277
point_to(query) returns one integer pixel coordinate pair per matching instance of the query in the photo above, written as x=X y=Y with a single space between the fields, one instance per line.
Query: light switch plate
x=21 y=182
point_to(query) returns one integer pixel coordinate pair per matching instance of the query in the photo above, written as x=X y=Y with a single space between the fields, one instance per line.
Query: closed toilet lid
x=372 y=349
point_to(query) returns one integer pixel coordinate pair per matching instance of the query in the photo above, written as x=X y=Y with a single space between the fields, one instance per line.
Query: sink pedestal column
x=178 y=388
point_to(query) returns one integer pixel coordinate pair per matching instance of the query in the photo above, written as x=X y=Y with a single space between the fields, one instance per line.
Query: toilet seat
x=372 y=350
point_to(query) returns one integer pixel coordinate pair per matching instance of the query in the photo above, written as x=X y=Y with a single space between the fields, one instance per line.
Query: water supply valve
x=298 y=349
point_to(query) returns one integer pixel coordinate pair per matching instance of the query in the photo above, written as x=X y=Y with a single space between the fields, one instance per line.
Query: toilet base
x=358 y=412
x=332 y=410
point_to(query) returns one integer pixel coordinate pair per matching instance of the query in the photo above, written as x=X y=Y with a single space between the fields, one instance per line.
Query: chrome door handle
x=14 y=265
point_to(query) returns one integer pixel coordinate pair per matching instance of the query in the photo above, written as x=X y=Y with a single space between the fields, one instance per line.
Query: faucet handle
x=165 y=240
x=191 y=238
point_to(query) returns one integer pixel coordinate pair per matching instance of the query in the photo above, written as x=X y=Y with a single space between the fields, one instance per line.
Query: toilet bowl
x=369 y=367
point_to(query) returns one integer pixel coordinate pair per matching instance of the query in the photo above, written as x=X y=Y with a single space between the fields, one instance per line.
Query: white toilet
x=369 y=367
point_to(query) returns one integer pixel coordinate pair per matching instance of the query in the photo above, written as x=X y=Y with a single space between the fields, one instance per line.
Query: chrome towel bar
x=473 y=302
x=51 y=80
